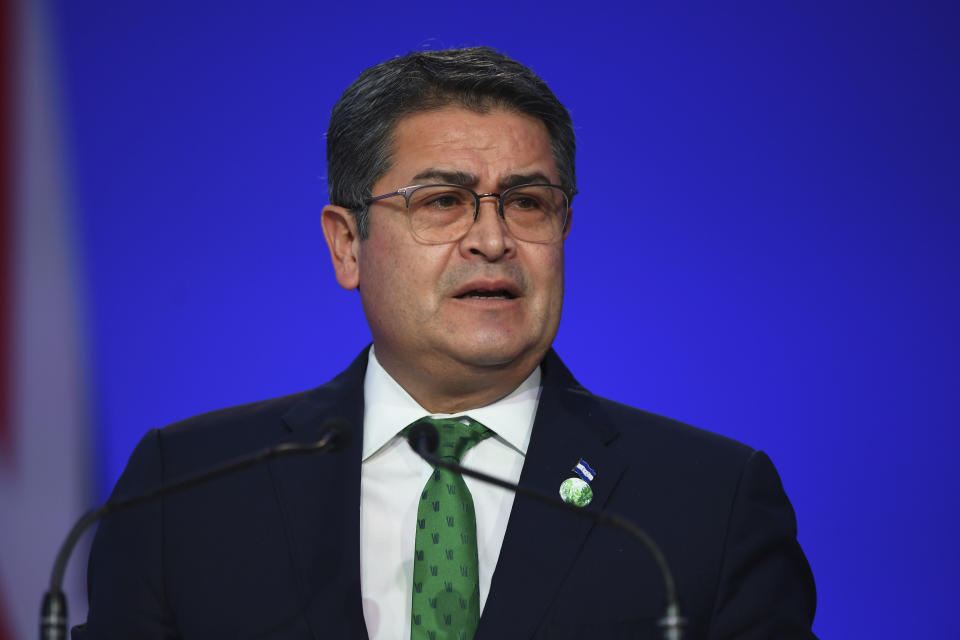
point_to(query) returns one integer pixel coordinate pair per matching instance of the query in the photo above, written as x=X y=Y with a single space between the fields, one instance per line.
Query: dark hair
x=478 y=78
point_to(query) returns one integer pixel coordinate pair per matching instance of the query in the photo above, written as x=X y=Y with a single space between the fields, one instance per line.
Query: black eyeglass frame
x=407 y=192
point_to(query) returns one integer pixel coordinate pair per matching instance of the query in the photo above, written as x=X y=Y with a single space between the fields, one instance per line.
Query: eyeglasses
x=441 y=213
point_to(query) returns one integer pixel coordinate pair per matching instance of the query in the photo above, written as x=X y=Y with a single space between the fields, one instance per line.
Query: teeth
x=501 y=295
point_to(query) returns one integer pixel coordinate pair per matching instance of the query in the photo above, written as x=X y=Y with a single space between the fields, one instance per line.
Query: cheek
x=398 y=277
x=378 y=279
x=551 y=272
x=557 y=274
x=547 y=272
x=382 y=254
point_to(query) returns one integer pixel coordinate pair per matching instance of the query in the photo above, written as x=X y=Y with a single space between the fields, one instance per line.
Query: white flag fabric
x=44 y=444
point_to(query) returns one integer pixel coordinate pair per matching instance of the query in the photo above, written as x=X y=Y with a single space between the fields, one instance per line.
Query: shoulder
x=635 y=430
x=678 y=441
x=680 y=464
x=214 y=437
x=242 y=425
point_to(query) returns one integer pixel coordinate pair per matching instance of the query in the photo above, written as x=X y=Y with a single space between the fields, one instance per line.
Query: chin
x=493 y=355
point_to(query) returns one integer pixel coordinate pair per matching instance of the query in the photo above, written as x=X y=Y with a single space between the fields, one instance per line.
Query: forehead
x=487 y=145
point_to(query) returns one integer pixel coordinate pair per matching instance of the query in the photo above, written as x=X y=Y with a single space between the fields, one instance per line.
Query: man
x=451 y=180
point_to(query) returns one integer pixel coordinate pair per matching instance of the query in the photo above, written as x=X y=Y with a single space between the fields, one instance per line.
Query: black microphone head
x=338 y=432
x=423 y=438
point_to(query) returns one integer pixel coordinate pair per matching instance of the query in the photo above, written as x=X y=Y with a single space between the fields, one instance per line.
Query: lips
x=488 y=290
x=499 y=294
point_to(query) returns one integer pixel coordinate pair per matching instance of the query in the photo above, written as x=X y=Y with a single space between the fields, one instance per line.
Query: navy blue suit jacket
x=273 y=551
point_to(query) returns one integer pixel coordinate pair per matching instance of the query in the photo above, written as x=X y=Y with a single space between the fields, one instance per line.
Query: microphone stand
x=672 y=622
x=53 y=611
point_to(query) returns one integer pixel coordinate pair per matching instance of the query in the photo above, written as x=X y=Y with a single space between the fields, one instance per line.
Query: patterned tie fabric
x=446 y=587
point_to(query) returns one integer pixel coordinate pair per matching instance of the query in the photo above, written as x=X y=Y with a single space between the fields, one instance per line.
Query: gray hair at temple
x=477 y=78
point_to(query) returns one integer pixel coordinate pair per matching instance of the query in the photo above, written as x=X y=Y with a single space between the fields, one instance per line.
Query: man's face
x=486 y=301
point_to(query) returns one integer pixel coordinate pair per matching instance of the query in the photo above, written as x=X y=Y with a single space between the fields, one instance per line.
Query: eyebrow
x=460 y=178
x=464 y=179
x=516 y=179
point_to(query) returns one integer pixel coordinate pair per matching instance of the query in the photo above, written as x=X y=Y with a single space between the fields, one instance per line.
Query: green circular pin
x=576 y=492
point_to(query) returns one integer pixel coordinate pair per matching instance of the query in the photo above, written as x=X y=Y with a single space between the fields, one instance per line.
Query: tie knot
x=457 y=435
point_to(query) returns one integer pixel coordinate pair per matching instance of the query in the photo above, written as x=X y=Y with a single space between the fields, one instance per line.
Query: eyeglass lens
x=445 y=213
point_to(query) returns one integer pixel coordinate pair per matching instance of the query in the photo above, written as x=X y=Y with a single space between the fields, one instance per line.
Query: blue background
x=764 y=244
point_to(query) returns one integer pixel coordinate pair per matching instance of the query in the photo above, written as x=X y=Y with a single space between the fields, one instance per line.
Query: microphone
x=53 y=611
x=424 y=439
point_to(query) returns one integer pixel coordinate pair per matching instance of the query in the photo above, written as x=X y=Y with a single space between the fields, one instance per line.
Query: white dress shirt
x=392 y=477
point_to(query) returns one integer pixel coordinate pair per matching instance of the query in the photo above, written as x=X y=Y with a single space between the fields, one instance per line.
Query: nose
x=488 y=237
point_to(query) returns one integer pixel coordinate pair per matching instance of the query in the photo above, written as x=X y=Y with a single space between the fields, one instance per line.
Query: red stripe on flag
x=7 y=75
x=7 y=114
x=5 y=624
x=7 y=98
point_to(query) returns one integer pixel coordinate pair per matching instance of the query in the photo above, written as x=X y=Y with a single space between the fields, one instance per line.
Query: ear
x=340 y=232
x=566 y=231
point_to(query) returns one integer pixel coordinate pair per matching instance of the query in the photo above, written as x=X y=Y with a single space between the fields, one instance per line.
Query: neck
x=458 y=387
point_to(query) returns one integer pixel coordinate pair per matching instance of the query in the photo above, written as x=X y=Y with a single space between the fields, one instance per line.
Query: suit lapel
x=320 y=496
x=542 y=543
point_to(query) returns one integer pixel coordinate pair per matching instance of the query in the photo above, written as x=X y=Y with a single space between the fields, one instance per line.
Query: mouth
x=486 y=294
x=488 y=289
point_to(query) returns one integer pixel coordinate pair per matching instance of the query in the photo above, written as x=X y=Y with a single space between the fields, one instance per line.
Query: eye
x=524 y=202
x=441 y=198
x=443 y=201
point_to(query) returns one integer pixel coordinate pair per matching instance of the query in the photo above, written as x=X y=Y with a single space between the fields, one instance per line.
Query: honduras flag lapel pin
x=577 y=491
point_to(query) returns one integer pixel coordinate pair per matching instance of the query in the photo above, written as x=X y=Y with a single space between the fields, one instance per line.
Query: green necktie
x=446 y=585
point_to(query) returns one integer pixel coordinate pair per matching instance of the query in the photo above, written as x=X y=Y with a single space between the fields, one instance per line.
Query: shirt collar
x=388 y=408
